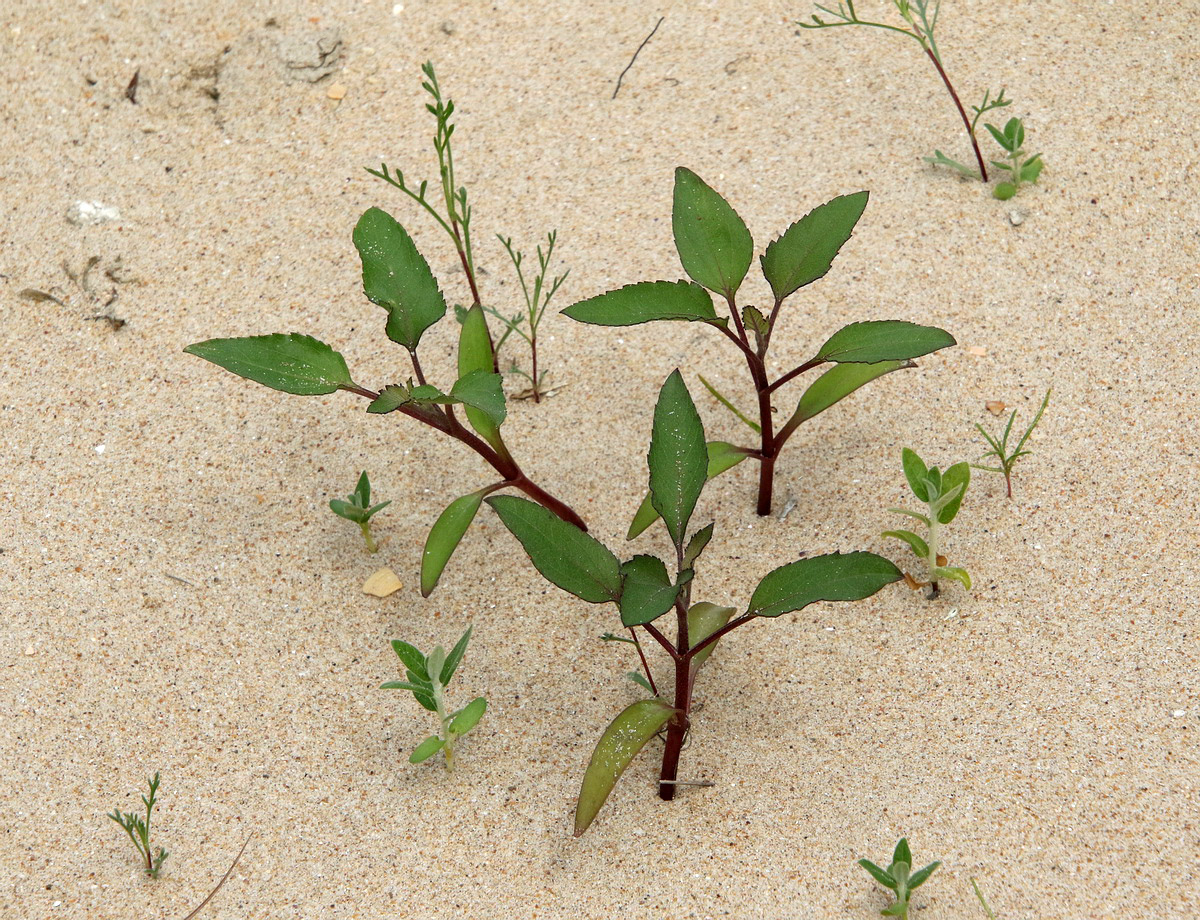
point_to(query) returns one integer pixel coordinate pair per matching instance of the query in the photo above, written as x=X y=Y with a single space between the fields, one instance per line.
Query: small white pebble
x=397 y=9
x=1177 y=713
x=1016 y=218
x=99 y=448
x=92 y=213
x=30 y=650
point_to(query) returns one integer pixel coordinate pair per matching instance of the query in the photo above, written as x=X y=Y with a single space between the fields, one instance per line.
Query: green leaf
x=1004 y=191
x=469 y=717
x=833 y=577
x=482 y=390
x=951 y=572
x=922 y=875
x=722 y=456
x=625 y=736
x=902 y=853
x=883 y=340
x=640 y=680
x=426 y=749
x=724 y=401
x=646 y=302
x=704 y=619
x=940 y=159
x=397 y=277
x=878 y=874
x=434 y=662
x=919 y=546
x=403 y=685
x=291 y=363
x=345 y=509
x=564 y=554
x=678 y=457
x=955 y=476
x=475 y=354
x=915 y=472
x=1032 y=168
x=806 y=250
x=390 y=398
x=1001 y=138
x=713 y=243
x=455 y=656
x=412 y=658
x=839 y=382
x=444 y=537
x=696 y=545
x=362 y=491
x=646 y=592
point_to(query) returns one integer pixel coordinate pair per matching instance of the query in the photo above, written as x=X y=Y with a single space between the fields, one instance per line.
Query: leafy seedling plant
x=1005 y=459
x=644 y=590
x=138 y=829
x=357 y=508
x=900 y=878
x=427 y=677
x=396 y=277
x=920 y=23
x=942 y=494
x=716 y=250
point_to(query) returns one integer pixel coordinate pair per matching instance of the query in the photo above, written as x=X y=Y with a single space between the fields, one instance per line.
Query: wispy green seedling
x=426 y=678
x=396 y=277
x=1021 y=167
x=716 y=251
x=920 y=19
x=899 y=878
x=982 y=901
x=942 y=494
x=538 y=295
x=644 y=589
x=357 y=508
x=1005 y=459
x=138 y=829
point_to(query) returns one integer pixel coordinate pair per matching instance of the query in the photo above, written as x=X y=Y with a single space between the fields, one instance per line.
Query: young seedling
x=643 y=590
x=999 y=446
x=357 y=508
x=920 y=23
x=942 y=494
x=982 y=901
x=138 y=829
x=716 y=250
x=537 y=299
x=427 y=677
x=397 y=277
x=1020 y=167
x=900 y=878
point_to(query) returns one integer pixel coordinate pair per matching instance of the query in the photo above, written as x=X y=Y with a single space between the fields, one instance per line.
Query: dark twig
x=132 y=88
x=645 y=41
x=224 y=879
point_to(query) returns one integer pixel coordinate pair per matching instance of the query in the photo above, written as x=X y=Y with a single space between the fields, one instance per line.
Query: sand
x=178 y=598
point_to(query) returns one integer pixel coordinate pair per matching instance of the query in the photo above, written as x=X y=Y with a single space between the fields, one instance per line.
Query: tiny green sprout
x=900 y=878
x=357 y=508
x=942 y=494
x=1020 y=167
x=427 y=677
x=982 y=901
x=138 y=829
x=999 y=446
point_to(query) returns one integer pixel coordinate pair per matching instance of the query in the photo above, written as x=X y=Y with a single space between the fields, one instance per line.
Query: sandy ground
x=177 y=596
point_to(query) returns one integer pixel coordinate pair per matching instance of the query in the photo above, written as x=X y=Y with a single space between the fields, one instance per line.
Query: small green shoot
x=942 y=494
x=999 y=446
x=427 y=677
x=138 y=829
x=900 y=878
x=357 y=508
x=1020 y=167
x=982 y=902
x=537 y=298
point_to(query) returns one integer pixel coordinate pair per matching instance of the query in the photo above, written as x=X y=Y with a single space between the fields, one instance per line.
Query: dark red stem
x=961 y=111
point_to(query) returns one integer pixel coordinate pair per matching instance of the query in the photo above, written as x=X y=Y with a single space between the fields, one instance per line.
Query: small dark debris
x=114 y=322
x=132 y=88
x=39 y=296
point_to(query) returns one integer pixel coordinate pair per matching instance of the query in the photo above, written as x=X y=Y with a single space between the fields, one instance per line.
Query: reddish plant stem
x=645 y=664
x=961 y=111
x=537 y=394
x=678 y=726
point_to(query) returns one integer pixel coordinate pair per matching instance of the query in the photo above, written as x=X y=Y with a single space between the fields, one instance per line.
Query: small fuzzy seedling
x=427 y=677
x=357 y=508
x=138 y=829
x=900 y=878
x=942 y=494
x=999 y=446
x=1020 y=167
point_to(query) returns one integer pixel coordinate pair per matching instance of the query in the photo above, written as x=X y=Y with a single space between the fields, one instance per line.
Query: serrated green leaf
x=919 y=546
x=412 y=658
x=713 y=243
x=625 y=736
x=678 y=457
x=455 y=656
x=564 y=554
x=696 y=545
x=646 y=591
x=645 y=302
x=915 y=472
x=469 y=717
x=806 y=250
x=878 y=874
x=482 y=390
x=722 y=456
x=704 y=619
x=839 y=382
x=833 y=577
x=954 y=477
x=883 y=340
x=475 y=354
x=390 y=398
x=1032 y=168
x=426 y=749
x=397 y=277
x=444 y=537
x=291 y=363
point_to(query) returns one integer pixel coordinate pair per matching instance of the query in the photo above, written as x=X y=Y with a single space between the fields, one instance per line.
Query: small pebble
x=1177 y=713
x=1016 y=218
x=337 y=91
x=977 y=350
x=382 y=583
x=30 y=650
x=92 y=213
